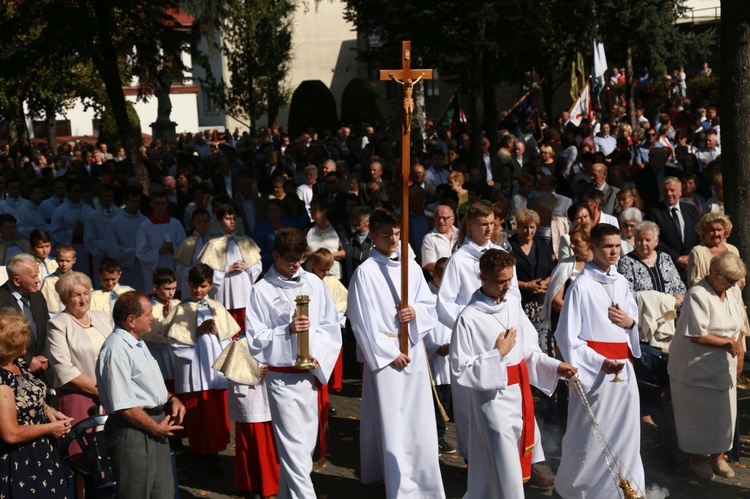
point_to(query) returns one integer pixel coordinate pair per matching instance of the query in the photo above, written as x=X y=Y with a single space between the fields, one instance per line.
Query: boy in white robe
x=121 y=240
x=65 y=256
x=66 y=226
x=438 y=342
x=48 y=206
x=235 y=260
x=495 y=353
x=163 y=303
x=29 y=211
x=598 y=334
x=10 y=244
x=186 y=255
x=97 y=225
x=198 y=330
x=271 y=325
x=215 y=228
x=103 y=300
x=41 y=247
x=460 y=280
x=397 y=431
x=157 y=238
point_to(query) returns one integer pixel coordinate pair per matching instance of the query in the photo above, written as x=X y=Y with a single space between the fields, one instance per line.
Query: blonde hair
x=583 y=230
x=323 y=259
x=718 y=180
x=476 y=210
x=546 y=148
x=729 y=265
x=15 y=334
x=64 y=285
x=711 y=218
x=526 y=217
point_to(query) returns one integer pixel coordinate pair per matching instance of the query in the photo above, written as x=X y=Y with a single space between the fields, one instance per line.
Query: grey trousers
x=141 y=463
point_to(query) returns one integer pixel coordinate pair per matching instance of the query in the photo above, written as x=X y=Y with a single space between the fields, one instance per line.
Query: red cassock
x=206 y=421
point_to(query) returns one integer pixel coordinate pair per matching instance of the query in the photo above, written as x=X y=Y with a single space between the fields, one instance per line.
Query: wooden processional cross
x=407 y=78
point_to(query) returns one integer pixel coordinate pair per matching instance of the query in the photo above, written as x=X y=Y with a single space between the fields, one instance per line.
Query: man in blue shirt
x=142 y=413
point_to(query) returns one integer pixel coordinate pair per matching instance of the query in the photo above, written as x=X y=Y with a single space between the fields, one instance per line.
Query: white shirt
x=605 y=145
x=433 y=177
x=325 y=238
x=27 y=218
x=680 y=217
x=436 y=246
x=95 y=230
x=488 y=166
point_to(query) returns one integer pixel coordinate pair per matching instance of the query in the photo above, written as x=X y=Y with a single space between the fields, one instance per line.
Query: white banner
x=581 y=108
x=600 y=59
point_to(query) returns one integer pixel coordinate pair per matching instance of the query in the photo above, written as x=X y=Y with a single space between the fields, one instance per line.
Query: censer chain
x=611 y=457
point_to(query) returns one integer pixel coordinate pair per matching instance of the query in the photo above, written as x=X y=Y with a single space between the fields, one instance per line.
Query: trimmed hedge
x=312 y=105
x=361 y=102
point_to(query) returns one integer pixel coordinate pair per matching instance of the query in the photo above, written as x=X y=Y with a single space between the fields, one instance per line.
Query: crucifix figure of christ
x=407 y=78
x=408 y=101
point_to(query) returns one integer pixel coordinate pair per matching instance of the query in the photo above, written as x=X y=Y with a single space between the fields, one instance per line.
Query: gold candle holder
x=304 y=361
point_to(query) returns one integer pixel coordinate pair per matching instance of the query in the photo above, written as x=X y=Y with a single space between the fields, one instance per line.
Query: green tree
x=644 y=34
x=478 y=44
x=255 y=38
x=120 y=39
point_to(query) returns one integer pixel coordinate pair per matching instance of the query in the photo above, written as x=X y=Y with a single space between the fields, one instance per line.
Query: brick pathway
x=338 y=478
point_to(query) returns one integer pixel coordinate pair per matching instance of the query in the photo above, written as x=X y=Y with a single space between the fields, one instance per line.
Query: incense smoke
x=656 y=492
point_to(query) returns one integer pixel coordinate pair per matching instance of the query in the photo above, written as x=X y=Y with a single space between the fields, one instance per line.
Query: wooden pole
x=406 y=77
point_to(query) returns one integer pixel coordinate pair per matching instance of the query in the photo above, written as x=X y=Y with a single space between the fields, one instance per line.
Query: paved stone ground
x=338 y=478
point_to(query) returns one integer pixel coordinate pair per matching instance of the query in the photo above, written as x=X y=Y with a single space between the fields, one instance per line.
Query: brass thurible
x=304 y=361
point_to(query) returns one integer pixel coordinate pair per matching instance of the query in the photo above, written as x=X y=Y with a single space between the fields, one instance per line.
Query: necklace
x=85 y=326
x=651 y=260
x=609 y=294
x=504 y=326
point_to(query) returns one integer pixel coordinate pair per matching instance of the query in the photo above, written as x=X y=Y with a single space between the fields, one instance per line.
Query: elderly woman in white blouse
x=628 y=218
x=705 y=357
x=74 y=338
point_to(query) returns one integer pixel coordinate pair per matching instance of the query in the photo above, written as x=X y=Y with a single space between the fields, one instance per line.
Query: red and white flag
x=582 y=108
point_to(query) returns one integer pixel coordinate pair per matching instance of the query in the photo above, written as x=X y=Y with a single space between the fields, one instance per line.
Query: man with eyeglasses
x=439 y=242
x=271 y=325
x=640 y=158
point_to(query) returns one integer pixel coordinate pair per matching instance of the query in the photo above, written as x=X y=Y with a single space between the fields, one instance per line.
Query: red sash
x=519 y=374
x=610 y=350
x=288 y=370
x=164 y=219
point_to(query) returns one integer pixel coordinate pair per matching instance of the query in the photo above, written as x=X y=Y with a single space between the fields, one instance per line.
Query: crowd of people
x=565 y=252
